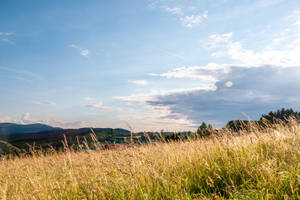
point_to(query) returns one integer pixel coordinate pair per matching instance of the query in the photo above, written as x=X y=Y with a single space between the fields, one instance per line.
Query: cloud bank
x=253 y=91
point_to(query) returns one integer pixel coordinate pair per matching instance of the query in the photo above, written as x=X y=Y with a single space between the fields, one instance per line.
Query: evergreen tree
x=238 y=125
x=204 y=130
x=281 y=115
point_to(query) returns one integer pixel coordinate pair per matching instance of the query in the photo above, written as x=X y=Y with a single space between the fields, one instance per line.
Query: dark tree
x=204 y=130
x=238 y=125
x=281 y=116
x=174 y=137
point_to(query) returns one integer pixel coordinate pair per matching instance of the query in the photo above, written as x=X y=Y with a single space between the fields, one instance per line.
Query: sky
x=148 y=64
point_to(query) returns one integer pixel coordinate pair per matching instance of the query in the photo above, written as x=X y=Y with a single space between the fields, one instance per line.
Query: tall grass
x=249 y=165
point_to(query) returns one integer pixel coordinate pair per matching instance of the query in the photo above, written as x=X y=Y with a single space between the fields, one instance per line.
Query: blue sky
x=155 y=64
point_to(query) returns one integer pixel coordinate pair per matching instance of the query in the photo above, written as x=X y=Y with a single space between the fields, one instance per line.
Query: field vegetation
x=249 y=164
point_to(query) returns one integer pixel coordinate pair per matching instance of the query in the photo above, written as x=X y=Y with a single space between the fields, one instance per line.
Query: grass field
x=252 y=165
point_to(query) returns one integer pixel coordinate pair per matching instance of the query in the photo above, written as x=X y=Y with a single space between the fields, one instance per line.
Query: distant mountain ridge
x=13 y=128
x=18 y=137
x=22 y=136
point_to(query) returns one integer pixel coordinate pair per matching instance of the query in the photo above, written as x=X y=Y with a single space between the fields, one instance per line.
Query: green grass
x=251 y=165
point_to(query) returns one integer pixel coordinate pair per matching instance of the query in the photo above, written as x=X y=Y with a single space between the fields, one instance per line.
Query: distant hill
x=54 y=137
x=40 y=135
x=12 y=128
x=21 y=136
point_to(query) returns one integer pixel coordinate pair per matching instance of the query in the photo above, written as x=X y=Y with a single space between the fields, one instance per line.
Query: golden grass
x=253 y=165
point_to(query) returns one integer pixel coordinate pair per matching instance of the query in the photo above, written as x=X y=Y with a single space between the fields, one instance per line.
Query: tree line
x=282 y=116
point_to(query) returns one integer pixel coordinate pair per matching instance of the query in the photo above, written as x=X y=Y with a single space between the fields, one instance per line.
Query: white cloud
x=210 y=72
x=152 y=117
x=4 y=37
x=174 y=10
x=156 y=118
x=194 y=20
x=135 y=98
x=221 y=38
x=139 y=82
x=25 y=119
x=284 y=57
x=216 y=39
x=284 y=50
x=6 y=33
x=7 y=41
x=186 y=13
x=45 y=103
x=143 y=98
x=83 y=52
x=97 y=105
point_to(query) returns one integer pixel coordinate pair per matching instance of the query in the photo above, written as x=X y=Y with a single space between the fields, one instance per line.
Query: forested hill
x=24 y=136
x=55 y=136
x=12 y=128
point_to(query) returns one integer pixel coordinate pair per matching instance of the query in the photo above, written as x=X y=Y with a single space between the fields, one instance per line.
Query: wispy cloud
x=7 y=41
x=210 y=72
x=45 y=103
x=139 y=82
x=215 y=40
x=143 y=98
x=97 y=105
x=26 y=118
x=282 y=50
x=287 y=55
x=65 y=124
x=5 y=37
x=174 y=10
x=28 y=75
x=187 y=16
x=6 y=33
x=194 y=20
x=82 y=51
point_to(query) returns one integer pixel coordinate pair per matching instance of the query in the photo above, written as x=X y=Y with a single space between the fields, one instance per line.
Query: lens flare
x=229 y=84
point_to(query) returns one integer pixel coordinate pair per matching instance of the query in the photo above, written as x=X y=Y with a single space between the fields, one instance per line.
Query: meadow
x=252 y=164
